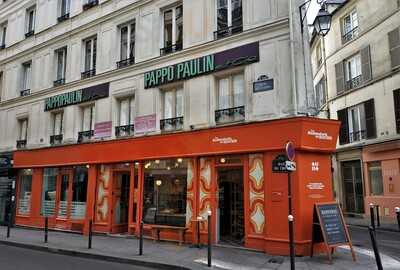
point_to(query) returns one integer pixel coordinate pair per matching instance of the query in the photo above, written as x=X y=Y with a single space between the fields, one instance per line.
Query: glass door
x=353 y=187
x=64 y=188
x=120 y=202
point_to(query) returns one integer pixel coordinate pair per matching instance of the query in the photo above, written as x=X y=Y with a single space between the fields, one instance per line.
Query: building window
x=87 y=4
x=320 y=93
x=1 y=84
x=173 y=106
x=126 y=117
x=30 y=21
x=318 y=54
x=25 y=191
x=396 y=97
x=375 y=178
x=350 y=27
x=229 y=18
x=173 y=30
x=49 y=192
x=353 y=71
x=87 y=125
x=3 y=35
x=357 y=122
x=61 y=55
x=90 y=46
x=165 y=191
x=79 y=192
x=64 y=6
x=22 y=132
x=57 y=125
x=394 y=47
x=26 y=78
x=127 y=49
x=231 y=99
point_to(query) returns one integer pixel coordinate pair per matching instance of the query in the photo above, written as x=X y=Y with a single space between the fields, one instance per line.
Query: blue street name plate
x=264 y=85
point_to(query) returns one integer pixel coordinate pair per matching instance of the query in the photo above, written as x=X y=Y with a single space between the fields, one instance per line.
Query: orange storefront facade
x=172 y=179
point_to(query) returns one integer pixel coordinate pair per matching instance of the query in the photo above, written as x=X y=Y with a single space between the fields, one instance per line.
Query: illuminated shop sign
x=79 y=96
x=235 y=57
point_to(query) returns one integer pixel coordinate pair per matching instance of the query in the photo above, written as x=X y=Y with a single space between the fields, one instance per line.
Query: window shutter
x=339 y=78
x=394 y=47
x=366 y=64
x=369 y=107
x=396 y=97
x=344 y=127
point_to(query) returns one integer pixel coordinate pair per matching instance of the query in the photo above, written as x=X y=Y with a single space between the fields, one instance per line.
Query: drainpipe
x=292 y=56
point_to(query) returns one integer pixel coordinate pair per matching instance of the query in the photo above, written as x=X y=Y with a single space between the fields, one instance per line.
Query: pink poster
x=146 y=123
x=102 y=130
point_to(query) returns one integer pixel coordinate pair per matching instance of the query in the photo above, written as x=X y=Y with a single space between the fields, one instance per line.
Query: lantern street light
x=323 y=20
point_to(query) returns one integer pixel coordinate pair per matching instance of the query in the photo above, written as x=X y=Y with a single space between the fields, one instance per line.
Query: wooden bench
x=155 y=231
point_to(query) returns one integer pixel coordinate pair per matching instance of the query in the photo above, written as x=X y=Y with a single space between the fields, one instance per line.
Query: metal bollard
x=397 y=210
x=9 y=225
x=90 y=234
x=291 y=243
x=372 y=215
x=209 y=253
x=141 y=239
x=378 y=218
x=375 y=247
x=46 y=229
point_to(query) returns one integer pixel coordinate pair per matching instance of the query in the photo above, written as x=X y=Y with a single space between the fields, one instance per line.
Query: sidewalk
x=165 y=255
x=365 y=222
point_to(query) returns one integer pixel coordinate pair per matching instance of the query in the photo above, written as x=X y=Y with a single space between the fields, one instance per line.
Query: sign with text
x=263 y=85
x=235 y=57
x=146 y=123
x=279 y=164
x=102 y=130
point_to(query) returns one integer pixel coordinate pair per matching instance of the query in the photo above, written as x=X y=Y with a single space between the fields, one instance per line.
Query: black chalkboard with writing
x=331 y=222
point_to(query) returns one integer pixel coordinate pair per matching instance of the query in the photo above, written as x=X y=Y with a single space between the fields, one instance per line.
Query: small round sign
x=290 y=153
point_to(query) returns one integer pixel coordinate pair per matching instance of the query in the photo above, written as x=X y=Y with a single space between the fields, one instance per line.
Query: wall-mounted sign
x=243 y=55
x=79 y=96
x=263 y=85
x=146 y=123
x=224 y=140
x=102 y=130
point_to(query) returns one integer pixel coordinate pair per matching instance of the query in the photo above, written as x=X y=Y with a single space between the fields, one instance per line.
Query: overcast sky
x=312 y=12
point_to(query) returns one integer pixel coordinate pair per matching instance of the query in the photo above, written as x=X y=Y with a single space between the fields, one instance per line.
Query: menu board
x=332 y=223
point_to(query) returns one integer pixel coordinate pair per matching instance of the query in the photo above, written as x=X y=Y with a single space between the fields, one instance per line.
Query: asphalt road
x=388 y=242
x=14 y=258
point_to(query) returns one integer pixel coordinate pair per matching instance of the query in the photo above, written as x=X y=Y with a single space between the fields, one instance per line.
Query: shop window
x=61 y=55
x=127 y=48
x=57 y=119
x=79 y=192
x=173 y=30
x=126 y=117
x=49 y=192
x=25 y=191
x=229 y=18
x=350 y=27
x=26 y=78
x=90 y=52
x=165 y=191
x=375 y=178
x=173 y=106
x=87 y=125
x=231 y=99
x=30 y=21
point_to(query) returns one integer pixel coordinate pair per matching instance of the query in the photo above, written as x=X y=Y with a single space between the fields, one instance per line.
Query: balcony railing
x=56 y=139
x=354 y=83
x=88 y=73
x=84 y=136
x=59 y=82
x=228 y=31
x=357 y=135
x=25 y=92
x=230 y=115
x=30 y=33
x=21 y=144
x=63 y=17
x=126 y=130
x=171 y=49
x=2 y=46
x=90 y=4
x=350 y=35
x=171 y=124
x=126 y=62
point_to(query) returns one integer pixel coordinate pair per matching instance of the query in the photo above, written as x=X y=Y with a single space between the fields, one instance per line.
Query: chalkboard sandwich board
x=330 y=228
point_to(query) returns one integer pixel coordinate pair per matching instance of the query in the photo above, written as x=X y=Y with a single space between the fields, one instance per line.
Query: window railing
x=357 y=135
x=2 y=46
x=228 y=31
x=25 y=92
x=56 y=139
x=21 y=144
x=88 y=73
x=59 y=82
x=230 y=115
x=350 y=35
x=354 y=83
x=126 y=62
x=171 y=124
x=126 y=130
x=84 y=136
x=63 y=17
x=29 y=33
x=171 y=49
x=90 y=4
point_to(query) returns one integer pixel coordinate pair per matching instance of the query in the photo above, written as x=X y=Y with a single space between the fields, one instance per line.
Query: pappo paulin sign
x=235 y=57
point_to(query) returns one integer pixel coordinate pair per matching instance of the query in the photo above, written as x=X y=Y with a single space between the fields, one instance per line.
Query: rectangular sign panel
x=264 y=85
x=146 y=123
x=102 y=130
x=332 y=223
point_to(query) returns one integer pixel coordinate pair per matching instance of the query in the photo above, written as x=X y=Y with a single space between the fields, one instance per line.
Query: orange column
x=36 y=197
x=91 y=197
x=140 y=198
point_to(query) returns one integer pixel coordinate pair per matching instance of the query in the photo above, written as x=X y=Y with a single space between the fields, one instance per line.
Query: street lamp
x=323 y=20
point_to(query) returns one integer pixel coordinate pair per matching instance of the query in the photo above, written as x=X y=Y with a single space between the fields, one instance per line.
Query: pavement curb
x=94 y=256
x=377 y=229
